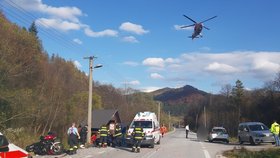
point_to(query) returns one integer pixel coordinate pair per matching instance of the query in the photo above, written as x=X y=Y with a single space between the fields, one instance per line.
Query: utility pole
x=89 y=97
x=89 y=123
x=205 y=125
x=159 y=113
x=169 y=121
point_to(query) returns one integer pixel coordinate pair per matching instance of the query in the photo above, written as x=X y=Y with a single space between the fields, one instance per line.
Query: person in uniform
x=103 y=132
x=73 y=136
x=138 y=136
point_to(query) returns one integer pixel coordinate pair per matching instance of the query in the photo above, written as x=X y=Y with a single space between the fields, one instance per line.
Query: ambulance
x=148 y=121
x=9 y=150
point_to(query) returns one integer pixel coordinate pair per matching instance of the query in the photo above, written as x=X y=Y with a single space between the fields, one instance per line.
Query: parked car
x=218 y=134
x=254 y=133
x=10 y=150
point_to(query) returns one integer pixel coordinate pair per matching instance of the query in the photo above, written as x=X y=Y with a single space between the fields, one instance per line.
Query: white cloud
x=220 y=68
x=77 y=64
x=133 y=28
x=67 y=13
x=150 y=89
x=265 y=65
x=107 y=32
x=133 y=83
x=78 y=41
x=130 y=63
x=130 y=39
x=64 y=18
x=225 y=67
x=58 y=24
x=154 y=62
x=160 y=63
x=156 y=76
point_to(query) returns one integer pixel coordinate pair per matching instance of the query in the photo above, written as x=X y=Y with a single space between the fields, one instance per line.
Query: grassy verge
x=244 y=153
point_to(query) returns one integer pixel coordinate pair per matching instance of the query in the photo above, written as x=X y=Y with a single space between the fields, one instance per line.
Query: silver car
x=218 y=134
x=254 y=133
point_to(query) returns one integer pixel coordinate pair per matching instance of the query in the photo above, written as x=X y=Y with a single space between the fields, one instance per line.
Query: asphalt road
x=173 y=145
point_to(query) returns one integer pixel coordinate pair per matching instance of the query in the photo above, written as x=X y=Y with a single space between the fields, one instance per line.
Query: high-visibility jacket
x=103 y=131
x=118 y=131
x=138 y=133
x=275 y=128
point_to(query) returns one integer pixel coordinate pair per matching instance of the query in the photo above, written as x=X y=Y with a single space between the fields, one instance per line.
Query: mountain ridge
x=182 y=95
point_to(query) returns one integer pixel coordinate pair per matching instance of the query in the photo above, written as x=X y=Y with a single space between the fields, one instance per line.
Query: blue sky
x=140 y=46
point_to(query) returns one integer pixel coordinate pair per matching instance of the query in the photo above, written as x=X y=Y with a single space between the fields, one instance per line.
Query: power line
x=51 y=33
x=54 y=35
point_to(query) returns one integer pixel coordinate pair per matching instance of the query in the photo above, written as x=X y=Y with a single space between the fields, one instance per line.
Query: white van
x=149 y=123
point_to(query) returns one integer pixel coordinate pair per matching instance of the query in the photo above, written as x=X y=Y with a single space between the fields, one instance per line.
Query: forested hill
x=41 y=92
x=35 y=89
x=181 y=95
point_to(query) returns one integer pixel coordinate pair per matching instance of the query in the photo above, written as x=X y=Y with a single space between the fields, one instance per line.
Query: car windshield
x=143 y=124
x=218 y=130
x=258 y=127
x=3 y=141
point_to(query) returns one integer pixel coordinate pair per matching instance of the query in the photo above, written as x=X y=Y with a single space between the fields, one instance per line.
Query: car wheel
x=152 y=145
x=252 y=141
x=240 y=141
x=227 y=141
x=158 y=141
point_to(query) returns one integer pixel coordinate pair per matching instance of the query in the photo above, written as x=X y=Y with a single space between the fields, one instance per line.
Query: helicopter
x=197 y=27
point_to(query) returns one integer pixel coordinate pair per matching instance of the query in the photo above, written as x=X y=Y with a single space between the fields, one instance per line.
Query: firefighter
x=103 y=132
x=73 y=136
x=117 y=139
x=138 y=136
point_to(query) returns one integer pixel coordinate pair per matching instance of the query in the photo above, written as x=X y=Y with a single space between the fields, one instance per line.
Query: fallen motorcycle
x=48 y=145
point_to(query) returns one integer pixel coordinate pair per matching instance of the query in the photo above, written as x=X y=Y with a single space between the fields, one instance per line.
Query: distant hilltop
x=183 y=95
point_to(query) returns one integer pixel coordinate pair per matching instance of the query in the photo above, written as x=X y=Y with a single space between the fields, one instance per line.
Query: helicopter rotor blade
x=206 y=28
x=187 y=26
x=208 y=19
x=189 y=18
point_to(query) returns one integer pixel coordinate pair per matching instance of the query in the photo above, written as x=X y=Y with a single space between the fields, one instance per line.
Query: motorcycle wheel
x=29 y=148
x=57 y=148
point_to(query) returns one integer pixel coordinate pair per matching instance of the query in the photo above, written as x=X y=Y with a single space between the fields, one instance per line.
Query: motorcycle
x=48 y=145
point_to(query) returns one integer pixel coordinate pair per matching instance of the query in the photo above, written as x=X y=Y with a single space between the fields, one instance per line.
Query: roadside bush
x=244 y=153
x=20 y=137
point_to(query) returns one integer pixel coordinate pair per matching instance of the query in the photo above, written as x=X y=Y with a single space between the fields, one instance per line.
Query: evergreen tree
x=237 y=94
x=33 y=29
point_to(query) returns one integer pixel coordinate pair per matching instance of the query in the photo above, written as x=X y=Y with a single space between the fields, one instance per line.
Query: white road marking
x=206 y=153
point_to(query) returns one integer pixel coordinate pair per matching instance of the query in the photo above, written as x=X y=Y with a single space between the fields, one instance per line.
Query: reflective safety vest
x=138 y=133
x=118 y=131
x=275 y=128
x=103 y=131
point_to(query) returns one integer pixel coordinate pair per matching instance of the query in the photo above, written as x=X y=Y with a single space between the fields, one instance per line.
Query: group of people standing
x=78 y=136
x=116 y=136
